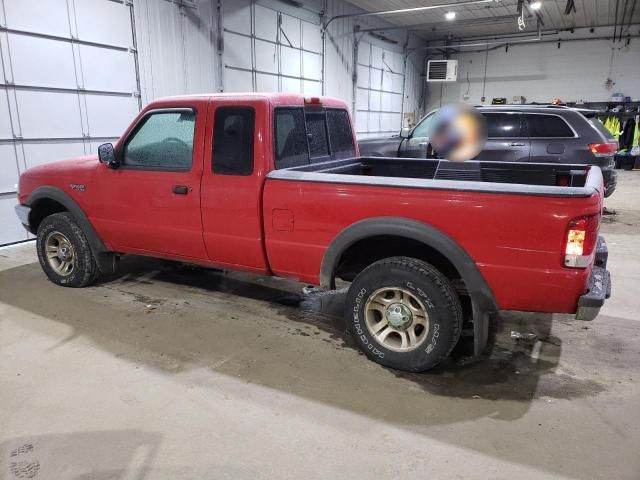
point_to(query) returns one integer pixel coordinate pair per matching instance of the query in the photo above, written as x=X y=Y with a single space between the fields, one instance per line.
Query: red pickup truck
x=273 y=184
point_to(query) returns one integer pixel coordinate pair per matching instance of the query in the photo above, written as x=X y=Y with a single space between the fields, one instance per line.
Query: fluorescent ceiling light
x=536 y=5
x=450 y=15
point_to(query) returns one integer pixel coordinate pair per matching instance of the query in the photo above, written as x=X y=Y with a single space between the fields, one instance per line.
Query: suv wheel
x=404 y=314
x=64 y=252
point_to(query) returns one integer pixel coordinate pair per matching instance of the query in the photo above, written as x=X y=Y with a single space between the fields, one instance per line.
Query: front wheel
x=404 y=314
x=64 y=251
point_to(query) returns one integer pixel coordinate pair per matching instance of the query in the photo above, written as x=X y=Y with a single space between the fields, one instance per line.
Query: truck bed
x=494 y=177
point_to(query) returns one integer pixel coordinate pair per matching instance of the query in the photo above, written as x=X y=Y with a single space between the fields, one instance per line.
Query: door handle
x=516 y=144
x=181 y=189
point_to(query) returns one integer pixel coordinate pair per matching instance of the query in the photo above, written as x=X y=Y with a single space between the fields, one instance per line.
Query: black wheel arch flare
x=100 y=252
x=482 y=298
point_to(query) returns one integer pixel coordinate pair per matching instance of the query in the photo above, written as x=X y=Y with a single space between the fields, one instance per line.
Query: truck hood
x=76 y=165
x=60 y=174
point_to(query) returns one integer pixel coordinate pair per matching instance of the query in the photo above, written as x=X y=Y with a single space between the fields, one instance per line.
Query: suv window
x=291 y=138
x=541 y=125
x=503 y=125
x=423 y=129
x=233 y=140
x=340 y=134
x=317 y=135
x=162 y=141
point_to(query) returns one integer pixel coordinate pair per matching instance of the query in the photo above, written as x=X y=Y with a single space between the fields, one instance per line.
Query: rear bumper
x=599 y=288
x=23 y=214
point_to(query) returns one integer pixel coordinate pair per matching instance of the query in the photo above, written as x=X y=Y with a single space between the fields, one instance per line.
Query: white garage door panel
x=108 y=70
x=362 y=98
x=312 y=66
x=291 y=85
x=237 y=50
x=41 y=62
x=266 y=57
x=8 y=168
x=387 y=83
x=5 y=121
x=266 y=83
x=385 y=121
x=102 y=21
x=374 y=122
x=290 y=61
x=53 y=115
x=41 y=153
x=386 y=102
x=364 y=51
x=266 y=23
x=41 y=16
x=237 y=16
x=363 y=76
x=291 y=27
x=237 y=81
x=374 y=100
x=376 y=57
x=361 y=121
x=397 y=81
x=311 y=89
x=12 y=230
x=49 y=115
x=396 y=103
x=311 y=37
x=376 y=79
x=110 y=116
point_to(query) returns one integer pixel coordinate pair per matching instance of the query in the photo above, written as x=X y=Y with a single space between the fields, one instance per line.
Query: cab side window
x=233 y=129
x=162 y=141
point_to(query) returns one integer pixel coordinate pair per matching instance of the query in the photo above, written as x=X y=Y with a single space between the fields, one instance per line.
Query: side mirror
x=107 y=155
x=404 y=132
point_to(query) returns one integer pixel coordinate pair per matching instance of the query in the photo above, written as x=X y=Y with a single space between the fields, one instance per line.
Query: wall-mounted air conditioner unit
x=442 y=70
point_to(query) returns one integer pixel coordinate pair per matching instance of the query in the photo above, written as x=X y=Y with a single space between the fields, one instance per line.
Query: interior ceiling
x=499 y=17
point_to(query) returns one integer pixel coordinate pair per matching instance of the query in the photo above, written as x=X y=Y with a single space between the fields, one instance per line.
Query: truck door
x=235 y=166
x=507 y=140
x=151 y=203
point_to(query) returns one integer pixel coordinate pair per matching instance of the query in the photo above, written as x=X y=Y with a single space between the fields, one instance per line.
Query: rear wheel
x=64 y=251
x=404 y=314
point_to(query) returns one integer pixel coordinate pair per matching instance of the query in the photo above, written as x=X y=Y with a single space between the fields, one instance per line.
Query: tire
x=61 y=233
x=410 y=295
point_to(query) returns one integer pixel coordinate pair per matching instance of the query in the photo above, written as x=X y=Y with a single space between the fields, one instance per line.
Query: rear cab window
x=310 y=135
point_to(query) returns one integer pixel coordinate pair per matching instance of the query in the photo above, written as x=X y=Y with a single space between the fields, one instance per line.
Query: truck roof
x=277 y=98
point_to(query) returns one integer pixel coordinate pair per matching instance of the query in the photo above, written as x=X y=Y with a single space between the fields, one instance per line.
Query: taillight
x=312 y=100
x=599 y=149
x=582 y=236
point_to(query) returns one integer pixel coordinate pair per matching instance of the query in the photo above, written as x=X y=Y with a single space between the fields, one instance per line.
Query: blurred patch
x=458 y=132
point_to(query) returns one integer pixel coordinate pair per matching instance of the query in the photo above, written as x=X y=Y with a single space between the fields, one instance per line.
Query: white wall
x=177 y=47
x=542 y=71
x=176 y=51
x=339 y=62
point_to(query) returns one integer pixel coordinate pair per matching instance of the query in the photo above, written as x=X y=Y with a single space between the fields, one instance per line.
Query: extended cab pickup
x=273 y=184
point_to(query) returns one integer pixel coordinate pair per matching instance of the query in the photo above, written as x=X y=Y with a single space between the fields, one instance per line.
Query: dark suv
x=526 y=133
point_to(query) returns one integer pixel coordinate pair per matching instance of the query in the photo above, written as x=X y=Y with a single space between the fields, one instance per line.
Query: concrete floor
x=167 y=373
